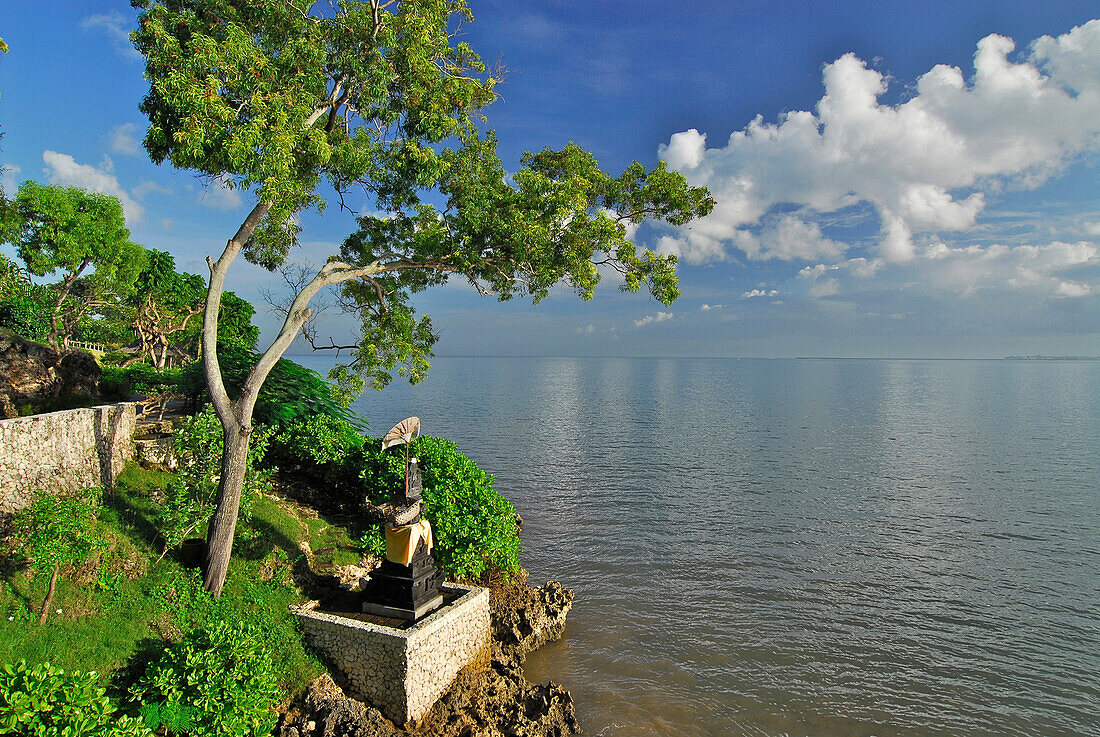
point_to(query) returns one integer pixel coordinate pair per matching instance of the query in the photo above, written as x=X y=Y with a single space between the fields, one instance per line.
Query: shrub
x=474 y=527
x=189 y=500
x=25 y=307
x=220 y=679
x=57 y=531
x=43 y=701
x=117 y=382
x=316 y=441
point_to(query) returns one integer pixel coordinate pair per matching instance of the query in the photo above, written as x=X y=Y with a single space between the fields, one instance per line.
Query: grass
x=129 y=600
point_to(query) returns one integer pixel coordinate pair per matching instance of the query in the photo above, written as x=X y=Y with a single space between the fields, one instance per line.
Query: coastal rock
x=526 y=618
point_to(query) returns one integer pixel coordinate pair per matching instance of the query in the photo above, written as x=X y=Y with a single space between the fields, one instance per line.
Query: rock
x=526 y=618
x=32 y=371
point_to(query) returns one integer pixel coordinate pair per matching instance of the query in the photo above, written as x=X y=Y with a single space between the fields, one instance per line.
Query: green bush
x=117 y=382
x=474 y=527
x=219 y=679
x=43 y=701
x=189 y=499
x=316 y=441
x=290 y=392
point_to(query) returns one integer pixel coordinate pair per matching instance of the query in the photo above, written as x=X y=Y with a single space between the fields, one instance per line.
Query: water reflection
x=800 y=547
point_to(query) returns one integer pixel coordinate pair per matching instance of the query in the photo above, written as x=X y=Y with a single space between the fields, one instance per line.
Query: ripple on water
x=800 y=547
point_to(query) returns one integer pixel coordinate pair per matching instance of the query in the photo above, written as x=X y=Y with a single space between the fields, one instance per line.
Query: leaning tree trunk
x=49 y=595
x=219 y=538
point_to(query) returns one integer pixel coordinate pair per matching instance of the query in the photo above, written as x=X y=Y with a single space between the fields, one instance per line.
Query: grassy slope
x=125 y=603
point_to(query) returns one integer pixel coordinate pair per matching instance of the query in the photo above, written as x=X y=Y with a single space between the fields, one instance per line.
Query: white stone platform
x=404 y=671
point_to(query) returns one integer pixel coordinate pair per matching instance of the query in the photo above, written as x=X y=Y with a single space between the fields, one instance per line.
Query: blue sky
x=903 y=179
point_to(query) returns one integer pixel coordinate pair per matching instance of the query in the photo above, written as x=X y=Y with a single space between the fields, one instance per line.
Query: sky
x=893 y=179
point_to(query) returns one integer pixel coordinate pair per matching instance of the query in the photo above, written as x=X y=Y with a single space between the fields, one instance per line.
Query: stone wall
x=63 y=451
x=403 y=672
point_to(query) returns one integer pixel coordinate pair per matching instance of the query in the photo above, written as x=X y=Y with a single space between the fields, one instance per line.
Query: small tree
x=275 y=96
x=57 y=531
x=66 y=230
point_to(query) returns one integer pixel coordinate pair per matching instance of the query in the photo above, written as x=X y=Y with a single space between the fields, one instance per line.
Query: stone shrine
x=407 y=584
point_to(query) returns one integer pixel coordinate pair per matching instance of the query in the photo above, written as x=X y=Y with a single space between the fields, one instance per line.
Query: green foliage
x=474 y=527
x=235 y=329
x=290 y=392
x=221 y=679
x=44 y=701
x=58 y=530
x=68 y=230
x=189 y=499
x=24 y=306
x=118 y=382
x=317 y=440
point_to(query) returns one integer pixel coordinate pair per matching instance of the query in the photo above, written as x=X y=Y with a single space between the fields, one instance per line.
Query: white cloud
x=116 y=27
x=788 y=239
x=760 y=293
x=220 y=196
x=708 y=308
x=63 y=169
x=1056 y=269
x=825 y=288
x=587 y=330
x=659 y=317
x=123 y=140
x=925 y=165
x=7 y=178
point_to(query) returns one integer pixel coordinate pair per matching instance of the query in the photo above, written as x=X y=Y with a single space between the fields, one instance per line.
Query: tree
x=164 y=301
x=278 y=96
x=68 y=229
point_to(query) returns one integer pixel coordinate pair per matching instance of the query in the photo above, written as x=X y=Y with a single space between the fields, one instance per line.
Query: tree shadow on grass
x=136 y=523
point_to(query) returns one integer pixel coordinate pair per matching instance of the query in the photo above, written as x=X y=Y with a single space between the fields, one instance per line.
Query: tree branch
x=212 y=369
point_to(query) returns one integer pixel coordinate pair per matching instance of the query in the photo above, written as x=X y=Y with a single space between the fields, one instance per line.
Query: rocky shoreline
x=497 y=701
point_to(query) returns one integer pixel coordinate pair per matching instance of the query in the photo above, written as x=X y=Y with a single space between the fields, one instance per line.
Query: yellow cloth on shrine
x=401 y=541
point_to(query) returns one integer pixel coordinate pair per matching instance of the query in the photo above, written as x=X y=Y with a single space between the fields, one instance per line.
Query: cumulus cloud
x=708 y=308
x=926 y=165
x=588 y=329
x=1053 y=270
x=659 y=317
x=760 y=293
x=116 y=27
x=123 y=140
x=63 y=169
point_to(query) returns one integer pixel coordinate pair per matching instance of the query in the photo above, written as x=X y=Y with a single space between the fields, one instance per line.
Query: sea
x=797 y=547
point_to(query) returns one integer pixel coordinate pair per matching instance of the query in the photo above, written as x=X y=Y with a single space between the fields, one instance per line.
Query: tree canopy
x=278 y=97
x=66 y=230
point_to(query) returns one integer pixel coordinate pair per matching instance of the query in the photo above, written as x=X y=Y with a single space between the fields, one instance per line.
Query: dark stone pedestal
x=404 y=592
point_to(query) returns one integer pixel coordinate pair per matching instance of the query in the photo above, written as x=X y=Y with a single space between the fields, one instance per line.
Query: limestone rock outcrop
x=32 y=371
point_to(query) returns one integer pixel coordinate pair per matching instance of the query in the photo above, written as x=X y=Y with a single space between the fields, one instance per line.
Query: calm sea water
x=799 y=547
